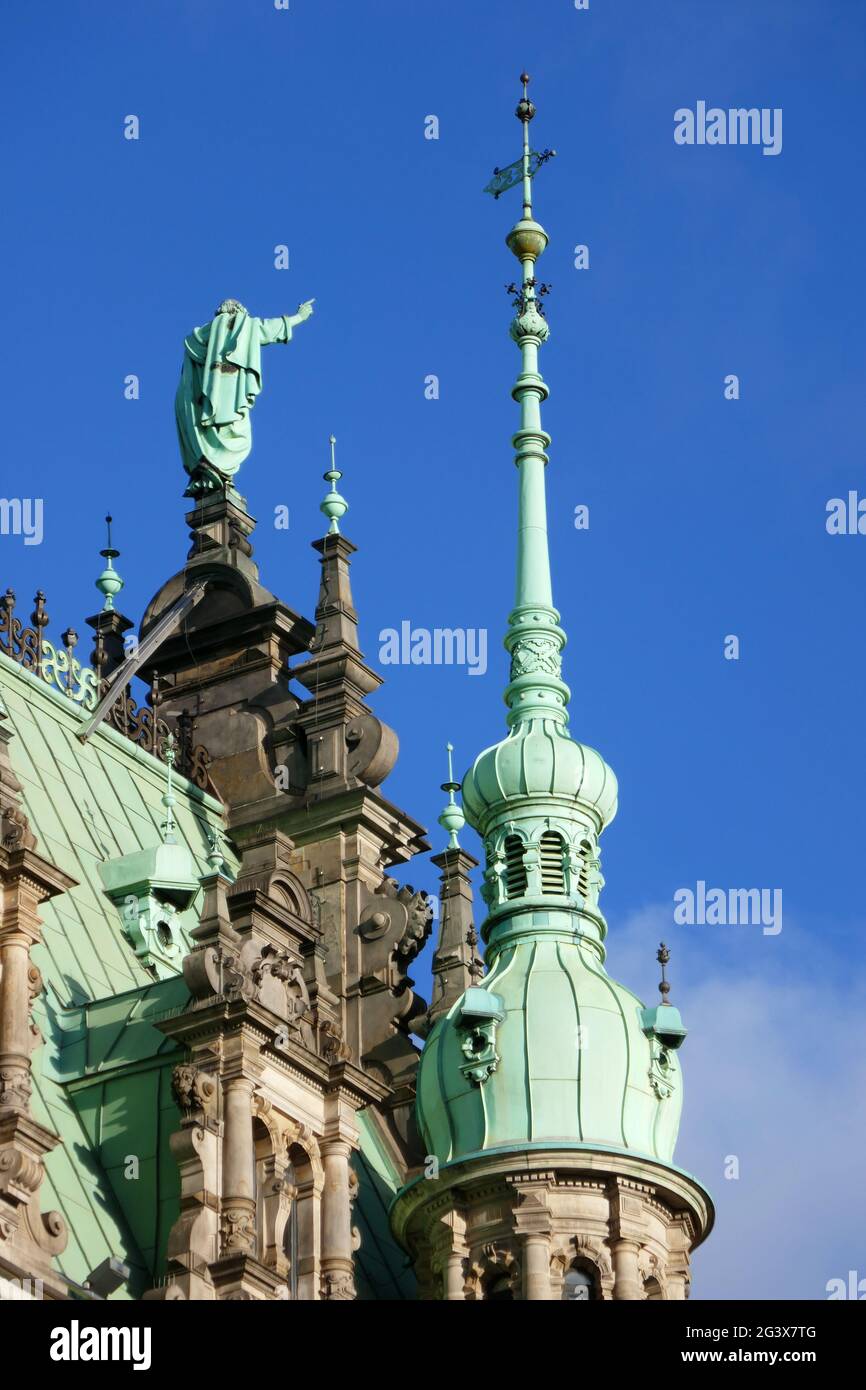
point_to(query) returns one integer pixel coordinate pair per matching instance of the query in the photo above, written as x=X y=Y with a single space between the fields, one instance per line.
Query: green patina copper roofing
x=382 y=1270
x=88 y=805
x=102 y=1076
x=549 y=1049
x=573 y=1061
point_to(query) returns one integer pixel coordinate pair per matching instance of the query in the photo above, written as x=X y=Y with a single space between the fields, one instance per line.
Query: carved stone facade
x=300 y=994
x=538 y=1225
x=300 y=1004
x=29 y=1238
x=299 y=998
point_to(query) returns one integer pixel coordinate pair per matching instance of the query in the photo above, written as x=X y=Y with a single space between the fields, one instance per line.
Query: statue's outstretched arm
x=302 y=313
x=279 y=330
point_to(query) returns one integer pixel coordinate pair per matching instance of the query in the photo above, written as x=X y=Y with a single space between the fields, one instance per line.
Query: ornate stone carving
x=15 y=1087
x=651 y=1268
x=238 y=1231
x=15 y=832
x=483 y=1268
x=393 y=927
x=597 y=1252
x=261 y=974
x=194 y=1090
x=333 y=1045
x=405 y=916
x=338 y=1285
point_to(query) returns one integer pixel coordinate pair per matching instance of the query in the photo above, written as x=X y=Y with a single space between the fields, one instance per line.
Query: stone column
x=15 y=1035
x=679 y=1243
x=447 y=1253
x=337 y=1266
x=627 y=1280
x=239 y=1182
x=453 y=1277
x=536 y=1266
x=29 y=1239
x=532 y=1222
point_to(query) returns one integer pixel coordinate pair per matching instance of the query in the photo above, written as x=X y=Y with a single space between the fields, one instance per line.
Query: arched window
x=301 y=1227
x=552 y=864
x=578 y=1287
x=291 y=1239
x=515 y=869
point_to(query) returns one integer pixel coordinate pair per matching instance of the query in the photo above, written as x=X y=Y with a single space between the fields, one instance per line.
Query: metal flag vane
x=530 y=161
x=512 y=174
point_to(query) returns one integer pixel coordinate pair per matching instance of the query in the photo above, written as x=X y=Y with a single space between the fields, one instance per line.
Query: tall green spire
x=538 y=798
x=534 y=638
x=546 y=1065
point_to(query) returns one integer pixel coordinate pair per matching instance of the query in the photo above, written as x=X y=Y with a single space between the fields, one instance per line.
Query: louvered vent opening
x=515 y=870
x=583 y=876
x=552 y=869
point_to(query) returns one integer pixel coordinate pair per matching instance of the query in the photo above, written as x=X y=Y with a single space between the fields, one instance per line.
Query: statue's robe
x=219 y=382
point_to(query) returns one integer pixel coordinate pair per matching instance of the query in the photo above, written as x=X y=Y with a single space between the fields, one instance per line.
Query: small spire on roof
x=169 y=799
x=109 y=582
x=663 y=955
x=333 y=506
x=452 y=818
x=216 y=857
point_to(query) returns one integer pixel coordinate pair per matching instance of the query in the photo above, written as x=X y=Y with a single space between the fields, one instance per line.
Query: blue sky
x=707 y=516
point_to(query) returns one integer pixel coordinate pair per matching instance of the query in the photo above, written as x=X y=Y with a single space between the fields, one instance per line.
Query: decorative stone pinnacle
x=663 y=955
x=169 y=799
x=452 y=818
x=333 y=506
x=109 y=582
x=216 y=858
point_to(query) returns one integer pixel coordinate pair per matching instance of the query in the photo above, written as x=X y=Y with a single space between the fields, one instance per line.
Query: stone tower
x=548 y=1096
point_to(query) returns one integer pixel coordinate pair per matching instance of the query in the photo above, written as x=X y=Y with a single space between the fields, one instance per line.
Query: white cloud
x=775 y=1073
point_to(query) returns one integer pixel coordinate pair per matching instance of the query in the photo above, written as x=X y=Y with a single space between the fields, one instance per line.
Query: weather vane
x=530 y=162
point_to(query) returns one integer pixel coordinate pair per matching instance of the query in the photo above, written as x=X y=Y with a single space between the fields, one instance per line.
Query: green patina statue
x=219 y=381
